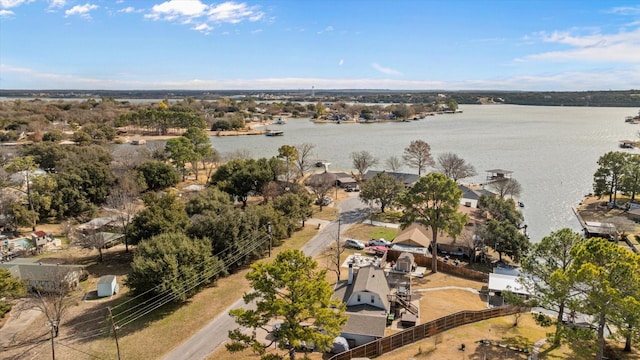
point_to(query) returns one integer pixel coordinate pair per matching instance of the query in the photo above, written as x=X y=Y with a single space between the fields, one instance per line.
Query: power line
x=172 y=296
x=166 y=296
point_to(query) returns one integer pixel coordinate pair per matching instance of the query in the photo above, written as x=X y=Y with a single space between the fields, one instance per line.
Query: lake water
x=552 y=151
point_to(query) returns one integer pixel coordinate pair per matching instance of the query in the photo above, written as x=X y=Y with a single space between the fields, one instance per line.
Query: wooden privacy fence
x=422 y=331
x=424 y=260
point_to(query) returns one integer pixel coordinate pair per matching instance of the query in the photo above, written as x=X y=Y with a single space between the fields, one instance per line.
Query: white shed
x=107 y=286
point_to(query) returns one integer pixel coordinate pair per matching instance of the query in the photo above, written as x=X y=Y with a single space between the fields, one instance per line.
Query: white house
x=366 y=295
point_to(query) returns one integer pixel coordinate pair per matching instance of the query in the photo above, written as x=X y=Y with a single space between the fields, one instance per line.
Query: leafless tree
x=238 y=155
x=320 y=185
x=123 y=200
x=303 y=163
x=362 y=161
x=393 y=163
x=91 y=239
x=504 y=187
x=418 y=154
x=455 y=167
x=334 y=255
x=54 y=297
x=126 y=158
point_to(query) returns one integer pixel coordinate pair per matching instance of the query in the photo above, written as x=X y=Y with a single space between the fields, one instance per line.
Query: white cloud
x=128 y=10
x=327 y=29
x=57 y=3
x=385 y=70
x=188 y=11
x=6 y=4
x=626 y=10
x=232 y=12
x=172 y=9
x=621 y=47
x=256 y=31
x=203 y=28
x=4 y=13
x=81 y=10
x=341 y=62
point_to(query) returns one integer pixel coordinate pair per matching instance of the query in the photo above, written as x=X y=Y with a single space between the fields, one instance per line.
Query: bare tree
x=54 y=297
x=393 y=163
x=320 y=185
x=122 y=200
x=506 y=187
x=93 y=239
x=127 y=158
x=240 y=154
x=334 y=254
x=363 y=160
x=303 y=163
x=418 y=154
x=455 y=167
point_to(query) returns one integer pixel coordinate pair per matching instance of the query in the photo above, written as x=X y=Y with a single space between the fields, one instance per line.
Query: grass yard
x=365 y=232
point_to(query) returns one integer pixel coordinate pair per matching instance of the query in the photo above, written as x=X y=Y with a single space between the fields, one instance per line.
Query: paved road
x=214 y=334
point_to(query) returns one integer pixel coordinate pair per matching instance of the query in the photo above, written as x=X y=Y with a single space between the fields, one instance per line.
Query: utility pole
x=115 y=332
x=53 y=348
x=270 y=237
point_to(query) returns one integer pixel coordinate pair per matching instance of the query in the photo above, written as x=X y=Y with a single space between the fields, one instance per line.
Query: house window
x=359 y=298
x=372 y=298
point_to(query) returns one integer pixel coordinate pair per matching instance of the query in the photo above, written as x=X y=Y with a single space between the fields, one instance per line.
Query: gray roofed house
x=365 y=294
x=470 y=195
x=42 y=275
x=407 y=179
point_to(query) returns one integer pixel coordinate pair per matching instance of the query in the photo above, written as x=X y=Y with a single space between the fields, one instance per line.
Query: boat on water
x=280 y=121
x=274 y=133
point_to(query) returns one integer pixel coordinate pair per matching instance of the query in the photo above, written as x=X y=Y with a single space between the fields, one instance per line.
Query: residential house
x=471 y=194
x=46 y=277
x=417 y=239
x=366 y=295
x=507 y=278
x=407 y=179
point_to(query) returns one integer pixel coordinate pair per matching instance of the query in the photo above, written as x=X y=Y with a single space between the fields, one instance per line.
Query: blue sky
x=329 y=44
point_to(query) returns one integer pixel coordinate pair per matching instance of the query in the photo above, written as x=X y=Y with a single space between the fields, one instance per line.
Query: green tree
x=288 y=154
x=631 y=176
x=383 y=189
x=295 y=208
x=290 y=288
x=607 y=279
x=505 y=238
x=201 y=145
x=606 y=180
x=548 y=262
x=418 y=155
x=181 y=152
x=25 y=166
x=500 y=209
x=433 y=202
x=242 y=178
x=163 y=214
x=174 y=266
x=158 y=175
x=9 y=287
x=212 y=199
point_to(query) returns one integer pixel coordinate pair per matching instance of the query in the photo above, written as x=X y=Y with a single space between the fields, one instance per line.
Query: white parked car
x=354 y=244
x=379 y=242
